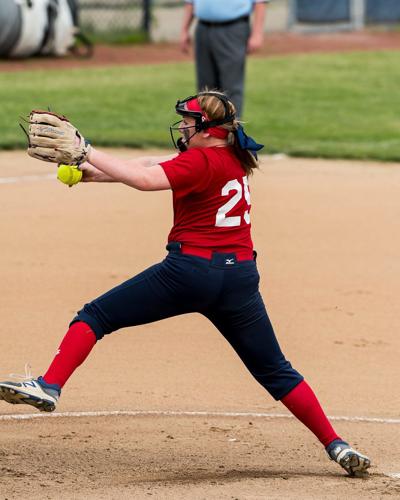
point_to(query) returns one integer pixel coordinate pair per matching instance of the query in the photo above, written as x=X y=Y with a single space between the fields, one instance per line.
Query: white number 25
x=221 y=220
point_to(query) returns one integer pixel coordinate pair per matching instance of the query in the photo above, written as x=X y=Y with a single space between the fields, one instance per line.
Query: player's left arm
x=257 y=31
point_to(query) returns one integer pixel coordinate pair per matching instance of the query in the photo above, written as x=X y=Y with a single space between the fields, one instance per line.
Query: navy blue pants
x=222 y=289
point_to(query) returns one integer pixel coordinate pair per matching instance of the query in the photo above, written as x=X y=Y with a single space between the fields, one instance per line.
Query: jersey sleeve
x=189 y=172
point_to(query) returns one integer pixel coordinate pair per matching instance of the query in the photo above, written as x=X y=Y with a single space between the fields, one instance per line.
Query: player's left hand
x=53 y=138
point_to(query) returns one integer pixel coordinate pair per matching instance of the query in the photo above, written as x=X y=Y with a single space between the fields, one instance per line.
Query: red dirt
x=282 y=43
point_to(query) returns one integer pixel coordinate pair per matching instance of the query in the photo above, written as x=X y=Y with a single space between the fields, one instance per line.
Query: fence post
x=292 y=14
x=146 y=20
x=358 y=14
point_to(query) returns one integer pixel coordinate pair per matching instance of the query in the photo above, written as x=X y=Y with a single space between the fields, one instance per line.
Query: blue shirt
x=222 y=10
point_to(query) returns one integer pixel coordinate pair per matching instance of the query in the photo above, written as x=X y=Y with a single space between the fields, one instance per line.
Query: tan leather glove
x=53 y=138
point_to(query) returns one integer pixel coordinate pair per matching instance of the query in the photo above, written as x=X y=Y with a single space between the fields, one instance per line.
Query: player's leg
x=132 y=302
x=242 y=318
x=150 y=296
x=230 y=46
x=164 y=290
x=206 y=69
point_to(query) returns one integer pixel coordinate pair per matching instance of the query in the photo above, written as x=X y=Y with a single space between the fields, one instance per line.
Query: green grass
x=330 y=105
x=116 y=36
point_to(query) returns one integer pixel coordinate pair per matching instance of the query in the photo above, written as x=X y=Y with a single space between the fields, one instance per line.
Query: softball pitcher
x=210 y=267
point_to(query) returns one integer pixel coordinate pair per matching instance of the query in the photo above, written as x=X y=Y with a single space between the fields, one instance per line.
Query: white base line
x=394 y=475
x=159 y=413
x=27 y=178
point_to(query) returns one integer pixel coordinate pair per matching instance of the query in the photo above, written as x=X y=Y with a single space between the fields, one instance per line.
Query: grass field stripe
x=158 y=413
x=27 y=178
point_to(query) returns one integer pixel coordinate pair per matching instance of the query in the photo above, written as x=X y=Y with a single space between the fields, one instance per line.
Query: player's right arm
x=132 y=172
x=149 y=161
x=53 y=138
x=93 y=174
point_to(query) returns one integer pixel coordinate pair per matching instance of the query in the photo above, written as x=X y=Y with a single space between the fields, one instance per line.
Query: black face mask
x=200 y=122
x=182 y=142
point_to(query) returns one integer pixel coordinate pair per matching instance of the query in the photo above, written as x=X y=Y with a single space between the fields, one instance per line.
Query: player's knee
x=91 y=315
x=280 y=381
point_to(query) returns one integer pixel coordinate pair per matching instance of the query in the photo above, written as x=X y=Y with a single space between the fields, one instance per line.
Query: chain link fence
x=120 y=16
x=111 y=15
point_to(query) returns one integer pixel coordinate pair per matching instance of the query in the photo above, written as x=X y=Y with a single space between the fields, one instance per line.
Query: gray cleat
x=352 y=461
x=30 y=391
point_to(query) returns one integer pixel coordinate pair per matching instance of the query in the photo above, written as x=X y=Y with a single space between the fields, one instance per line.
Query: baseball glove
x=53 y=138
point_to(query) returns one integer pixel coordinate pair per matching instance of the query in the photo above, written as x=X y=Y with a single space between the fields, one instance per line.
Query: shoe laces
x=27 y=376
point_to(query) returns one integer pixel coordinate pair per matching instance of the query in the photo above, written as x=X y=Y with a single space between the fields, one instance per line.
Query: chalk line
x=394 y=475
x=160 y=413
x=27 y=178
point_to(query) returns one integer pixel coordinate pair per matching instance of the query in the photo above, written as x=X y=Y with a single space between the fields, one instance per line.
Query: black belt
x=224 y=23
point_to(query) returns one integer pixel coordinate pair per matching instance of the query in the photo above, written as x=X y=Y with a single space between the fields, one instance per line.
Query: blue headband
x=247 y=142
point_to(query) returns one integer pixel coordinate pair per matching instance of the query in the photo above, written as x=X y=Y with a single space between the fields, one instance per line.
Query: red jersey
x=211 y=200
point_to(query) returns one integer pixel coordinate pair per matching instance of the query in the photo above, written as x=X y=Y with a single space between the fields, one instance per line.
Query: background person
x=223 y=37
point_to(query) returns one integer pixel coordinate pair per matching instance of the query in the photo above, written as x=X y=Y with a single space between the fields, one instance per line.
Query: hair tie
x=247 y=142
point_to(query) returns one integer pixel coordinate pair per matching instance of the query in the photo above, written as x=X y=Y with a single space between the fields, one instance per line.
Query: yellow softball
x=69 y=174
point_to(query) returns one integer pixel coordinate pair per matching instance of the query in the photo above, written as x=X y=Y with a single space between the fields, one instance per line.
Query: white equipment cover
x=47 y=27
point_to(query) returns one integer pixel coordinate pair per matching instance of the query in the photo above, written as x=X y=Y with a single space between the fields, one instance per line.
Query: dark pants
x=220 y=53
x=222 y=289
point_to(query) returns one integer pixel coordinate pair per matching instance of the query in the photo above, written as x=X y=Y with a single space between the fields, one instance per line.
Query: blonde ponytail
x=215 y=110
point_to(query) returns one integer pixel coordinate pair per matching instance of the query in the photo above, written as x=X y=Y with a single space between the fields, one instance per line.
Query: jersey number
x=221 y=220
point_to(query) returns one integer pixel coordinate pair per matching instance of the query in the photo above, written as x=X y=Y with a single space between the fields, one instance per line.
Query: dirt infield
x=275 y=44
x=328 y=243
